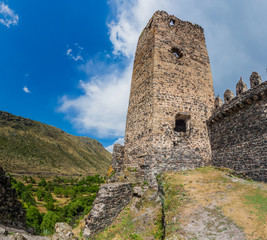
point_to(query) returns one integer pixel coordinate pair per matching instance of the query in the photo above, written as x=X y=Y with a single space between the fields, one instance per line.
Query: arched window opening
x=180 y=125
x=177 y=52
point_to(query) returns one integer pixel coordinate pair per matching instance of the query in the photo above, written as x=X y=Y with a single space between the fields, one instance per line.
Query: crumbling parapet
x=110 y=200
x=238 y=133
x=255 y=80
x=228 y=95
x=232 y=103
x=240 y=87
x=218 y=102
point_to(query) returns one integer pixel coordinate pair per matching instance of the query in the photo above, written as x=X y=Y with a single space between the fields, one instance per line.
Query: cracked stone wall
x=238 y=132
x=171 y=81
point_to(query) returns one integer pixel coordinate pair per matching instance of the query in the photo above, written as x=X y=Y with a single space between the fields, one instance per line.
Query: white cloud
x=78 y=53
x=132 y=16
x=235 y=39
x=118 y=141
x=26 y=90
x=102 y=107
x=69 y=51
x=7 y=15
x=234 y=32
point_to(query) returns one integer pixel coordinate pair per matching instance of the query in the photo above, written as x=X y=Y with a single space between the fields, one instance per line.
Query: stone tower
x=171 y=99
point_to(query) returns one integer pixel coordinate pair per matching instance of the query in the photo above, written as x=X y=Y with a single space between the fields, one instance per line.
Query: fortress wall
x=238 y=133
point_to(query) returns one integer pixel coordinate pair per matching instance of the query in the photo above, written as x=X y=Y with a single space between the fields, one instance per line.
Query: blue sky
x=69 y=63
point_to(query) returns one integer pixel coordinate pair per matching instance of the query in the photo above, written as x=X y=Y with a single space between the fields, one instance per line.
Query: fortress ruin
x=174 y=122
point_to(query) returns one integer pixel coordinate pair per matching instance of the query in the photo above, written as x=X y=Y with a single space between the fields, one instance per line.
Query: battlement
x=242 y=99
x=237 y=129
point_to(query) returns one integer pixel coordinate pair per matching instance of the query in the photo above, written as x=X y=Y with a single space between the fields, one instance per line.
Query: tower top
x=171 y=20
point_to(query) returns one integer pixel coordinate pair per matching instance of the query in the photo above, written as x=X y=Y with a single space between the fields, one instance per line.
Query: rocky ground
x=63 y=232
x=202 y=204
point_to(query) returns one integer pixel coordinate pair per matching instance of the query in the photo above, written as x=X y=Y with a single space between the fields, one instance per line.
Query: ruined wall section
x=238 y=131
x=138 y=137
x=183 y=89
x=11 y=212
x=111 y=199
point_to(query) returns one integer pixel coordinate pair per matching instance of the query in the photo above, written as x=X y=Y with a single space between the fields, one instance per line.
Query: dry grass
x=242 y=202
x=33 y=148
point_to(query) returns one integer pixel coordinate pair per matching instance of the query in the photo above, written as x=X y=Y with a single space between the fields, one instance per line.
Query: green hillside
x=31 y=147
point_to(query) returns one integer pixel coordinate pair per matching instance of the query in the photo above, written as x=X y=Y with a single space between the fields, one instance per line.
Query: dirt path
x=208 y=204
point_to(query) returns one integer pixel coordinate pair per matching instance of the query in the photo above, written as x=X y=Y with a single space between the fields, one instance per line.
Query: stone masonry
x=171 y=99
x=238 y=131
x=117 y=161
x=11 y=212
x=174 y=122
x=111 y=199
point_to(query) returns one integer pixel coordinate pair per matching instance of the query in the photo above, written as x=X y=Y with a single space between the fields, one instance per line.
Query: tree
x=27 y=197
x=40 y=194
x=34 y=218
x=42 y=183
x=49 y=221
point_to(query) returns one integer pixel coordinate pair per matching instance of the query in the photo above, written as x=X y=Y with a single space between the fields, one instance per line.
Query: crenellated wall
x=238 y=130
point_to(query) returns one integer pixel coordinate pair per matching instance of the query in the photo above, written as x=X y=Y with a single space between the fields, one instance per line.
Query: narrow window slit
x=172 y=22
x=180 y=125
x=177 y=52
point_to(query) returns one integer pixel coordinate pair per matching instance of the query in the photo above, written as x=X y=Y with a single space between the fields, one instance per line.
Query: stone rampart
x=238 y=130
x=11 y=212
x=111 y=199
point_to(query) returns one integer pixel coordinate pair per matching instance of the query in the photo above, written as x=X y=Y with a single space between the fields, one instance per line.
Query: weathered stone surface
x=63 y=232
x=111 y=199
x=11 y=211
x=228 y=95
x=240 y=87
x=239 y=136
x=17 y=236
x=7 y=233
x=171 y=85
x=218 y=102
x=255 y=80
x=117 y=161
x=3 y=232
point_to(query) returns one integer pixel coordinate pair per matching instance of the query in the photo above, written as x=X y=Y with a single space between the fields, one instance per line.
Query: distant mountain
x=31 y=147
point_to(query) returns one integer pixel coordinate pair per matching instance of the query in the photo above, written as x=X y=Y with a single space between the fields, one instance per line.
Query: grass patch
x=259 y=202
